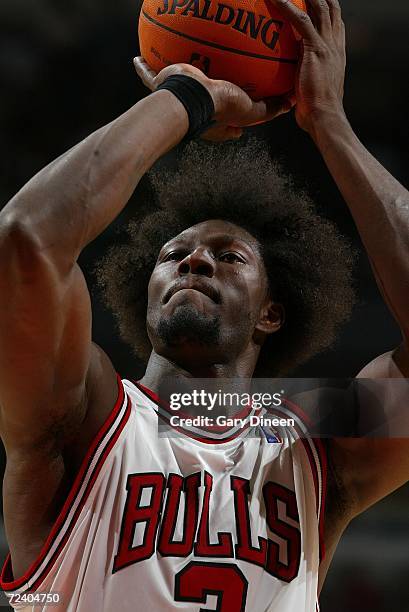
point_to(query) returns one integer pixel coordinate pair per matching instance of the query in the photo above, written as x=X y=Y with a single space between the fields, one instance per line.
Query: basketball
x=242 y=41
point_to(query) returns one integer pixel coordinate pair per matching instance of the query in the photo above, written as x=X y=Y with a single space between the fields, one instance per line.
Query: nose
x=199 y=262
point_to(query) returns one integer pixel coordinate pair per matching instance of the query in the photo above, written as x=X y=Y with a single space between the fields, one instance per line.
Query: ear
x=272 y=316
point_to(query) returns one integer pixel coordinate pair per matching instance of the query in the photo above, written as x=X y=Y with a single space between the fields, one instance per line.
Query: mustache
x=198 y=284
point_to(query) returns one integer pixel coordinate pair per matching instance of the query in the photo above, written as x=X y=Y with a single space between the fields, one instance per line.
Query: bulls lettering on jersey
x=189 y=523
x=159 y=522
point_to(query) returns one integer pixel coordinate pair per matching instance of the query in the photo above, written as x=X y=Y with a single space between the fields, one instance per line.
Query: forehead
x=217 y=229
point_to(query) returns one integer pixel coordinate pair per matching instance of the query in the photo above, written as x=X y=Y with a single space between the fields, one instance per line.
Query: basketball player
x=99 y=512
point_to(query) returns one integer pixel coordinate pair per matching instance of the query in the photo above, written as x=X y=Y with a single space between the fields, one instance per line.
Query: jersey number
x=198 y=580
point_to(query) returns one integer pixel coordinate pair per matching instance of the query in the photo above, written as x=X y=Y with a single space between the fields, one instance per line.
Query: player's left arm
x=371 y=468
x=379 y=204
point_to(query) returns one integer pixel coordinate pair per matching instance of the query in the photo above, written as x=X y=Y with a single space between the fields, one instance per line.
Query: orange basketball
x=246 y=42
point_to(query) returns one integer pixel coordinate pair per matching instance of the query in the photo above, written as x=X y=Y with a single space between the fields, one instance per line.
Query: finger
x=270 y=108
x=335 y=12
x=321 y=16
x=233 y=133
x=221 y=133
x=299 y=19
x=145 y=73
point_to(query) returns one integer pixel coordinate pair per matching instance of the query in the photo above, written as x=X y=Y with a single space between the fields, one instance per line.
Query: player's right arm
x=45 y=316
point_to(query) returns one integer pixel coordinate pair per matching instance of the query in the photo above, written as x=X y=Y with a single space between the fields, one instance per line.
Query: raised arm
x=378 y=203
x=368 y=468
x=45 y=316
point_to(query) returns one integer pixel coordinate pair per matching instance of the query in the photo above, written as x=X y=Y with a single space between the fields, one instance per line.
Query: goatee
x=187 y=324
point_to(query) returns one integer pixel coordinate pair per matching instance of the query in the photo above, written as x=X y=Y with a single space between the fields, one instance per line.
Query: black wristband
x=196 y=100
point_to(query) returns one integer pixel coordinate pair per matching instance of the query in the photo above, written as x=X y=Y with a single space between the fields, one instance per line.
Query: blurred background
x=66 y=69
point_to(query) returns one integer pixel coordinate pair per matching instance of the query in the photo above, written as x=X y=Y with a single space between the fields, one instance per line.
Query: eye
x=174 y=256
x=231 y=257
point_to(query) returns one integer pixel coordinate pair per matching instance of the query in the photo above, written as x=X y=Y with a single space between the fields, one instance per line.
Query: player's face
x=207 y=293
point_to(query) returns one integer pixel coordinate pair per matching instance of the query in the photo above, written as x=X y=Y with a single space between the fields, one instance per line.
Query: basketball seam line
x=217 y=46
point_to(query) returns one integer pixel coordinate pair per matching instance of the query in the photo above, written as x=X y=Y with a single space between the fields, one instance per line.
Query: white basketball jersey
x=229 y=523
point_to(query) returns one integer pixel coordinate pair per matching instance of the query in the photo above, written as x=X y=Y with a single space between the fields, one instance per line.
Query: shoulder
x=392 y=364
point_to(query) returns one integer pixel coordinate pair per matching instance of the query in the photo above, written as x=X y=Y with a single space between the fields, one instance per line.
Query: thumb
x=270 y=108
x=280 y=105
x=220 y=133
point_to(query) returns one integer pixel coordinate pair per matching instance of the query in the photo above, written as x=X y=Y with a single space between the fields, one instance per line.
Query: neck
x=160 y=367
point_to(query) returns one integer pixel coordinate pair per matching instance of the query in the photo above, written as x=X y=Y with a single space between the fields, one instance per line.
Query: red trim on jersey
x=313 y=470
x=7 y=581
x=322 y=453
x=322 y=456
x=323 y=464
x=156 y=400
x=304 y=440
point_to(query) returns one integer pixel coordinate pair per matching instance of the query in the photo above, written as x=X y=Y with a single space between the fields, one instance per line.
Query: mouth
x=201 y=287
